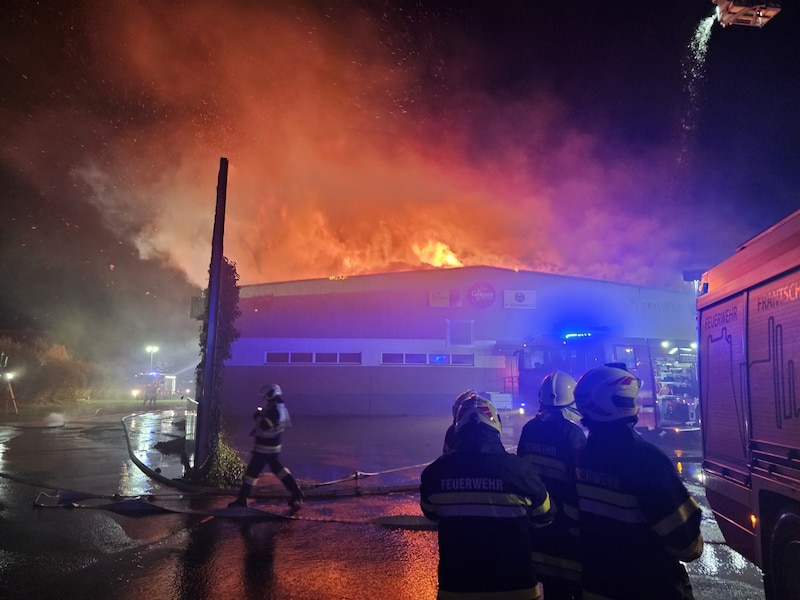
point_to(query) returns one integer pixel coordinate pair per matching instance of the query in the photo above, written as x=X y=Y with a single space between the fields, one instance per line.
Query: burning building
x=409 y=342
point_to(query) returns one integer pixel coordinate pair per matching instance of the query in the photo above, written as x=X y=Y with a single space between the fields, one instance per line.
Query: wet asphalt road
x=362 y=537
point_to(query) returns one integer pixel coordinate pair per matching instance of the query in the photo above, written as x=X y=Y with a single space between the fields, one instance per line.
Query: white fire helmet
x=608 y=393
x=270 y=391
x=557 y=389
x=477 y=409
x=459 y=399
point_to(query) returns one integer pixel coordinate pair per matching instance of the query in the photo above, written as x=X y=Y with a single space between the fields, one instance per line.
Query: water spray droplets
x=694 y=66
x=693 y=74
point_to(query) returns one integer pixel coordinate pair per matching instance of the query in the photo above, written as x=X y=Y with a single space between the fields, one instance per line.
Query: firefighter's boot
x=298 y=497
x=241 y=501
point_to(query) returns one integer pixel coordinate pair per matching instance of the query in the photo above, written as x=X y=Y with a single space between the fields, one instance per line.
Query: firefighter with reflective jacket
x=450 y=435
x=638 y=522
x=551 y=442
x=485 y=501
x=270 y=422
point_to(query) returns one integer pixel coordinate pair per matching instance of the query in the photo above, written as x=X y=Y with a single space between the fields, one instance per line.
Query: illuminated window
x=439 y=359
x=627 y=356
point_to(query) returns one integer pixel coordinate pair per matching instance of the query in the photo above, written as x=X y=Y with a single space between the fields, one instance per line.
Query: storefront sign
x=481 y=295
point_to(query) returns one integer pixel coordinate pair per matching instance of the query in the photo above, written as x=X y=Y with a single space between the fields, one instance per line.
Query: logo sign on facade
x=481 y=295
x=519 y=298
x=443 y=298
x=438 y=298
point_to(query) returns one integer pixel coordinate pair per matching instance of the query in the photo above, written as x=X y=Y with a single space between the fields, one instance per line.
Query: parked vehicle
x=749 y=348
x=667 y=367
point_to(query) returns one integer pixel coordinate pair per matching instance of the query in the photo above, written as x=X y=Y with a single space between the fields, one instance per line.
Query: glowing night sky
x=584 y=138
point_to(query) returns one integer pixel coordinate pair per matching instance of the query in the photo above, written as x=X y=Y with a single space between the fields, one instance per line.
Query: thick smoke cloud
x=342 y=156
x=360 y=133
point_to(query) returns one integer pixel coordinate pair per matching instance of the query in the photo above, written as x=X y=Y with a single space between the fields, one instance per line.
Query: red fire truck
x=749 y=349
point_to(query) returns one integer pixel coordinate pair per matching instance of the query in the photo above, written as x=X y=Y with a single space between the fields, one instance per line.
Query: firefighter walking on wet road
x=270 y=422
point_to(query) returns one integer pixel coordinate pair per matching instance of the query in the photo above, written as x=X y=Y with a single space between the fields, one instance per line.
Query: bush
x=46 y=375
x=226 y=469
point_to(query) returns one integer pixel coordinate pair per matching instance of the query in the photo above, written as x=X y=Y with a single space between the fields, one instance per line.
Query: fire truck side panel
x=722 y=391
x=725 y=421
x=774 y=353
x=749 y=312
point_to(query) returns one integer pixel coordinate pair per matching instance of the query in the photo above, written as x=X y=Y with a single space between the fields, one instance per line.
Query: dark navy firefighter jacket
x=486 y=502
x=638 y=522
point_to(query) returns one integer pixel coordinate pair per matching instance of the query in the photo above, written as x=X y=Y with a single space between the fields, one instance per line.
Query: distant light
x=693 y=345
x=665 y=344
x=135 y=393
x=674 y=350
x=577 y=334
x=753 y=521
x=9 y=376
x=522 y=410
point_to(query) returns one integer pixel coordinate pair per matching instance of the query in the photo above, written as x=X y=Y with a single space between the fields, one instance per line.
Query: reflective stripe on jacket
x=270 y=423
x=486 y=501
x=551 y=444
x=637 y=520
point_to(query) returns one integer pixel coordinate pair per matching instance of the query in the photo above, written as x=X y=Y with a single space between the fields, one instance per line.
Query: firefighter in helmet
x=638 y=522
x=485 y=502
x=551 y=442
x=450 y=434
x=270 y=422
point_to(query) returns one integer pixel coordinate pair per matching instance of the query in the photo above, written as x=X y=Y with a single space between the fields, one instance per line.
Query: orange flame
x=436 y=254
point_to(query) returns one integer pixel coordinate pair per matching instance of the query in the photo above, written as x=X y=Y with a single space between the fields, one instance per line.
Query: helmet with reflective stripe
x=459 y=399
x=477 y=409
x=557 y=389
x=608 y=393
x=270 y=391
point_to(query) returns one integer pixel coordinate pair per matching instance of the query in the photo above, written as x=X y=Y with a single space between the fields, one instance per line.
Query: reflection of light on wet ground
x=147 y=430
x=144 y=431
x=133 y=481
x=6 y=434
x=720 y=559
x=691 y=471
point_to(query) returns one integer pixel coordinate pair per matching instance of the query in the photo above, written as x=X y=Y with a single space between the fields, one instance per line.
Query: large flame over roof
x=359 y=141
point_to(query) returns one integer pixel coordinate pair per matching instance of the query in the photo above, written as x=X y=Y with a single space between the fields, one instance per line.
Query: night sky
x=584 y=138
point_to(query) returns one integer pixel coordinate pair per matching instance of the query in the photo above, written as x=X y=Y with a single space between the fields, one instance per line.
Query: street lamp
x=152 y=350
